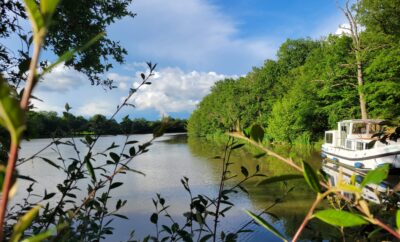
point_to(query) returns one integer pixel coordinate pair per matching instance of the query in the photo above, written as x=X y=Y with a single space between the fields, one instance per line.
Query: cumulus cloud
x=103 y=107
x=45 y=106
x=174 y=90
x=61 y=79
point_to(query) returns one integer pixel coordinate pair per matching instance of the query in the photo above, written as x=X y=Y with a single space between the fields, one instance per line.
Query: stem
x=32 y=71
x=387 y=228
x=221 y=186
x=308 y=216
x=7 y=185
x=13 y=155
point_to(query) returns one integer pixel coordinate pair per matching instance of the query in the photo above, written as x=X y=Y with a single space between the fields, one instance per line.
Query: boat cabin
x=353 y=134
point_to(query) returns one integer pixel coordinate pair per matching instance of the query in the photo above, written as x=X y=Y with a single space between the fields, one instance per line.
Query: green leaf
x=237 y=146
x=340 y=218
x=206 y=237
x=70 y=53
x=23 y=223
x=34 y=15
x=120 y=216
x=114 y=156
x=257 y=133
x=275 y=179
x=12 y=117
x=132 y=151
x=376 y=176
x=259 y=155
x=311 y=177
x=89 y=166
x=48 y=8
x=115 y=185
x=398 y=219
x=50 y=162
x=244 y=171
x=48 y=233
x=154 y=218
x=266 y=225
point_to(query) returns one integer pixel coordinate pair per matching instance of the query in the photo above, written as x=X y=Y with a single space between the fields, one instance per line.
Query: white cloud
x=61 y=79
x=192 y=34
x=45 y=106
x=343 y=29
x=103 y=107
x=174 y=90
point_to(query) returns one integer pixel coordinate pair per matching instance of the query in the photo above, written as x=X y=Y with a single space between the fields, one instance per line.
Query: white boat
x=339 y=173
x=357 y=143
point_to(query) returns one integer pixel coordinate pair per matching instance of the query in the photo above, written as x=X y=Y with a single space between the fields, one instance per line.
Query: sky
x=194 y=43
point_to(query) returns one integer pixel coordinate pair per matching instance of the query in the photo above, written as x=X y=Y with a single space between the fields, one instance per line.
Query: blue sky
x=194 y=43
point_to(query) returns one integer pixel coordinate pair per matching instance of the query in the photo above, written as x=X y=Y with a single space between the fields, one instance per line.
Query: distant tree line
x=45 y=124
x=313 y=83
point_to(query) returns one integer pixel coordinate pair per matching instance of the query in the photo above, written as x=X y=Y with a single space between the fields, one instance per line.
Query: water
x=169 y=159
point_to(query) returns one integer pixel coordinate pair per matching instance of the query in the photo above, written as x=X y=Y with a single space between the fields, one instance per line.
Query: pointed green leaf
x=89 y=166
x=311 y=177
x=48 y=8
x=398 y=219
x=237 y=146
x=69 y=54
x=266 y=225
x=12 y=117
x=340 y=218
x=115 y=185
x=275 y=179
x=376 y=176
x=257 y=133
x=34 y=15
x=23 y=223
x=244 y=171
x=114 y=156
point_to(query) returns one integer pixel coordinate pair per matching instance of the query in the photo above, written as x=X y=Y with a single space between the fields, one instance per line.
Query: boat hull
x=364 y=159
x=342 y=173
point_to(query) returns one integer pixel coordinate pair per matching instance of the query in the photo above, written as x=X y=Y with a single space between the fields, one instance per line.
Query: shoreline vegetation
x=309 y=87
x=45 y=124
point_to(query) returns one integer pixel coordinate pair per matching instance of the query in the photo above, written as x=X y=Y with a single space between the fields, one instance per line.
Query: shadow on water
x=175 y=155
x=292 y=208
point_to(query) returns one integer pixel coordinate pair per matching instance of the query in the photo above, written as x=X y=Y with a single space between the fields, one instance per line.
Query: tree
x=355 y=33
x=72 y=27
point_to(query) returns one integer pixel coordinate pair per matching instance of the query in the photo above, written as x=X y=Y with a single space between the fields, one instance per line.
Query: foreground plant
x=82 y=220
x=358 y=212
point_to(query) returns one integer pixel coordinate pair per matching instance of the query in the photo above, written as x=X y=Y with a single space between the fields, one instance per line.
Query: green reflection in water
x=292 y=209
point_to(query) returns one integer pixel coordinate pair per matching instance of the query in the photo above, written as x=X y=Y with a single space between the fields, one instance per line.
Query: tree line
x=313 y=84
x=46 y=124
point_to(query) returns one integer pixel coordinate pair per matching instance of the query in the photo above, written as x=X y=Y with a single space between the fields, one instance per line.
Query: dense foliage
x=48 y=124
x=313 y=83
x=71 y=28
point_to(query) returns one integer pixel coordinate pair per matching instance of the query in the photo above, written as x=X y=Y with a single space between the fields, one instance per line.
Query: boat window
x=360 y=146
x=374 y=128
x=329 y=138
x=349 y=144
x=359 y=128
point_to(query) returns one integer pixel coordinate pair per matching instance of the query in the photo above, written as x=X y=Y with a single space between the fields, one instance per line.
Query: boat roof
x=372 y=121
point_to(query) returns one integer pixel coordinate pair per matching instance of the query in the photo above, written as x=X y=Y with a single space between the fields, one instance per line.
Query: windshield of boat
x=374 y=128
x=359 y=128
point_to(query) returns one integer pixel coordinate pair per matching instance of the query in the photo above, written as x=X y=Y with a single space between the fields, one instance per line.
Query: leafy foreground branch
x=203 y=218
x=67 y=219
x=358 y=209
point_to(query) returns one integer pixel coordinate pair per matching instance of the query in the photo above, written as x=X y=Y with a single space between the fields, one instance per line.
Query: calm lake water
x=174 y=156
